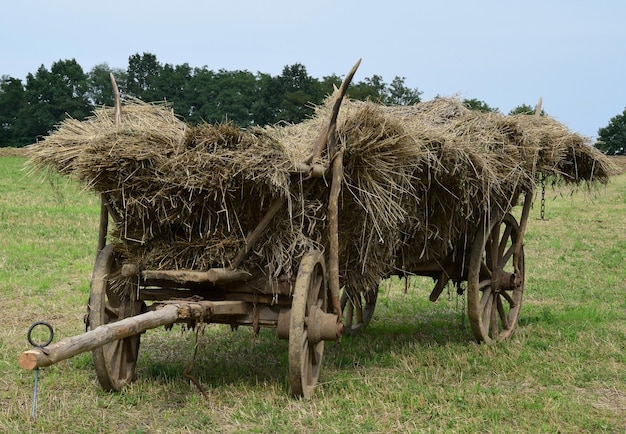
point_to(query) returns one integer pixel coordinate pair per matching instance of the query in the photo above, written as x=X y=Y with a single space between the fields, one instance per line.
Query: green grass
x=415 y=369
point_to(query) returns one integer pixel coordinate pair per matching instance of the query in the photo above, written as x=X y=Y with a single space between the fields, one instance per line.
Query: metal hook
x=30 y=332
x=29 y=336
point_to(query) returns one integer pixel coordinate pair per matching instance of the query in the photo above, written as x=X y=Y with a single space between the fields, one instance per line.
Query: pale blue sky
x=570 y=53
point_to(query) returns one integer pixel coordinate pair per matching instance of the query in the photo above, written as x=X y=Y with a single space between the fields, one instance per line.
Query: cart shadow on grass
x=231 y=358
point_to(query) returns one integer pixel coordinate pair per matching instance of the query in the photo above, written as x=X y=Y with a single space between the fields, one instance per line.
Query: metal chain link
x=543 y=196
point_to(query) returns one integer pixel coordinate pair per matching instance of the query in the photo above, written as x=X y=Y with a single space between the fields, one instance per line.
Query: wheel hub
x=504 y=281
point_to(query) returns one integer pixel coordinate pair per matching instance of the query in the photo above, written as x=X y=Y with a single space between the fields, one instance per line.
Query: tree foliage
x=612 y=138
x=478 y=105
x=525 y=109
x=32 y=108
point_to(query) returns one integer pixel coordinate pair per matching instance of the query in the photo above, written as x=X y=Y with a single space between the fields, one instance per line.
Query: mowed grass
x=415 y=369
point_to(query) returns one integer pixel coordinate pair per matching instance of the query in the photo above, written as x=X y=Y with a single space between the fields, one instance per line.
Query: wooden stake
x=322 y=139
x=333 y=223
x=118 y=101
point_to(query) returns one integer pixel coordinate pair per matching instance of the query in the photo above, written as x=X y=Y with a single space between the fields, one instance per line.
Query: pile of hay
x=417 y=181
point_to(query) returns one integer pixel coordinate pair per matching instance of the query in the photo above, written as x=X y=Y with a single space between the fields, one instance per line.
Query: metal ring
x=30 y=331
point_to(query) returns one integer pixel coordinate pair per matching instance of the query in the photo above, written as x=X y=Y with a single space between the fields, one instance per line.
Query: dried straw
x=417 y=181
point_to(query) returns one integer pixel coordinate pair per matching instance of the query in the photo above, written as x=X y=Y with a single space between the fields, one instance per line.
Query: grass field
x=415 y=369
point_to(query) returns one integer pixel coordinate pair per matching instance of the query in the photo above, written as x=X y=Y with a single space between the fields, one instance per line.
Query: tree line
x=32 y=108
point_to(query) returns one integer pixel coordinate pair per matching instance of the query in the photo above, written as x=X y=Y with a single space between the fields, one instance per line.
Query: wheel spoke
x=315 y=354
x=358 y=309
x=486 y=311
x=359 y=313
x=509 y=298
x=504 y=240
x=483 y=284
x=503 y=316
x=507 y=256
x=484 y=301
x=492 y=247
x=494 y=316
x=349 y=314
x=116 y=361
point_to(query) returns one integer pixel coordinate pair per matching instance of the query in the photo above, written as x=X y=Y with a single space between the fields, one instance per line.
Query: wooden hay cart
x=306 y=308
x=303 y=309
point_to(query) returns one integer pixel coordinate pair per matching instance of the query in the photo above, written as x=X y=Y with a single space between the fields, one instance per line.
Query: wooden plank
x=314 y=170
x=213 y=275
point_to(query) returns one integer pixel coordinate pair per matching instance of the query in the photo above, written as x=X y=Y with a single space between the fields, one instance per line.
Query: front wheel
x=310 y=299
x=116 y=361
x=495 y=283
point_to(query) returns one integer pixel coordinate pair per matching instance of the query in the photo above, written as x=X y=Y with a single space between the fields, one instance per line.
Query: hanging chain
x=543 y=196
x=460 y=293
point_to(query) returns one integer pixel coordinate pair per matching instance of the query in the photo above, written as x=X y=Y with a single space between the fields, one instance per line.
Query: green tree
x=299 y=91
x=371 y=88
x=99 y=87
x=399 y=94
x=476 y=104
x=221 y=96
x=142 y=77
x=612 y=138
x=50 y=96
x=11 y=103
x=328 y=84
x=171 y=85
x=525 y=109
x=266 y=108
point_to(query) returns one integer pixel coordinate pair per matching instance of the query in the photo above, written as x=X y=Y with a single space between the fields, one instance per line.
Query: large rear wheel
x=495 y=283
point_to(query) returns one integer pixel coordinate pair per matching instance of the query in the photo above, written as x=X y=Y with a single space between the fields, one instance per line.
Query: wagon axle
x=322 y=326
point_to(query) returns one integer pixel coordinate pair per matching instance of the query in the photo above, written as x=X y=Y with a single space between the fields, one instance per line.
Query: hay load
x=416 y=179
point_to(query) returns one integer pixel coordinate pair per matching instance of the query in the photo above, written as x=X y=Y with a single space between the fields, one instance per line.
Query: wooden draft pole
x=102 y=335
x=165 y=313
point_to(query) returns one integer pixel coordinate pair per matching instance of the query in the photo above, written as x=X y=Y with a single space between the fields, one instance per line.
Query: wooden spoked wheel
x=358 y=309
x=115 y=362
x=310 y=295
x=495 y=283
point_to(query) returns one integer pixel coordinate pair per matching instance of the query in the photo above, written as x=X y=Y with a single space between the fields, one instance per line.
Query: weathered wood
x=333 y=223
x=118 y=101
x=443 y=280
x=163 y=314
x=202 y=310
x=104 y=223
x=313 y=170
x=322 y=139
x=102 y=335
x=538 y=107
x=523 y=222
x=213 y=275
x=254 y=236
